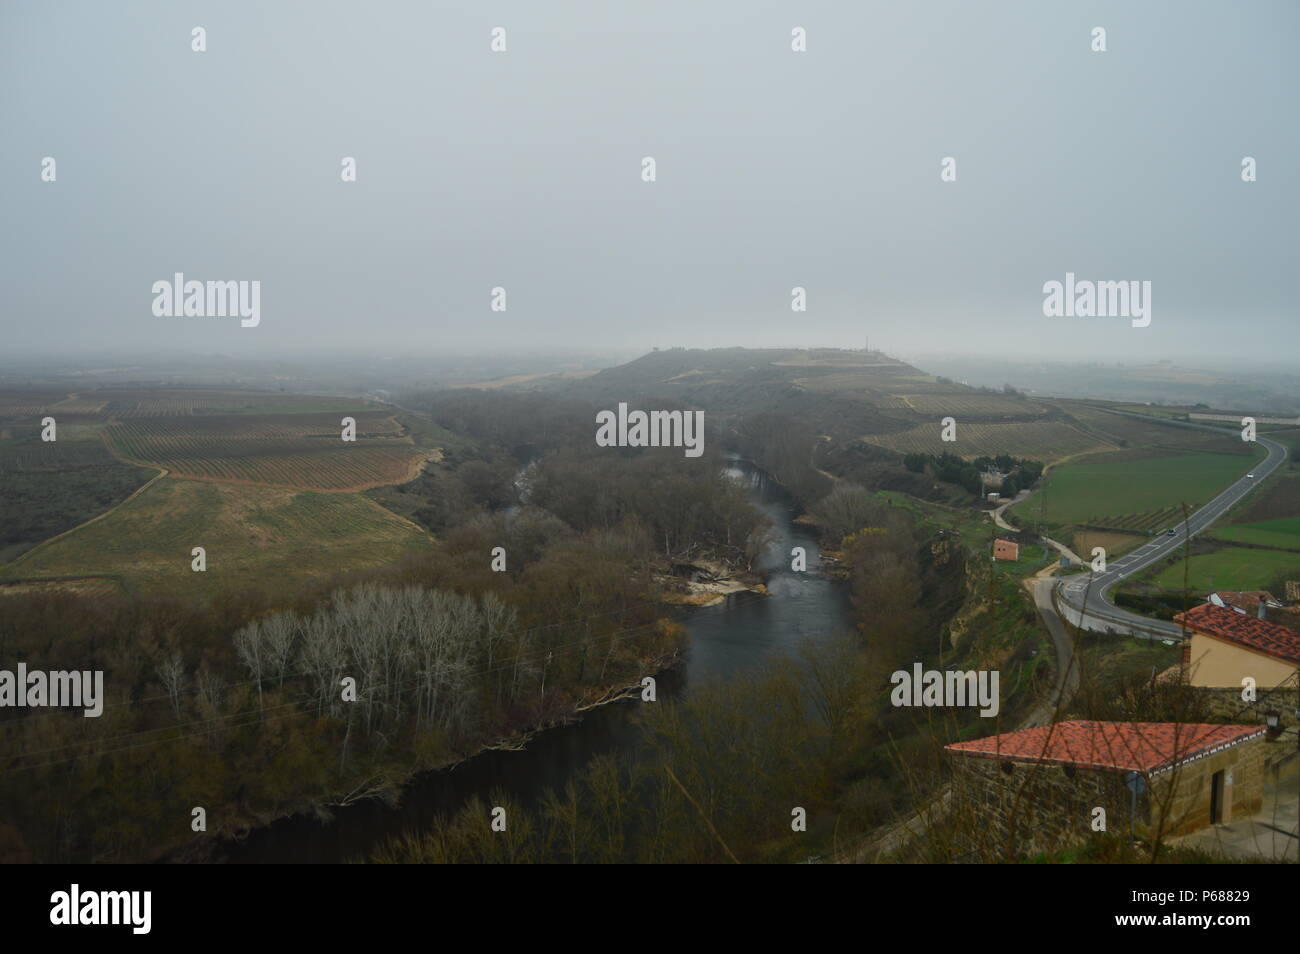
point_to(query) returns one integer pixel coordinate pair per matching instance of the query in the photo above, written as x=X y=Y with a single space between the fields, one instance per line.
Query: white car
x=1251 y=476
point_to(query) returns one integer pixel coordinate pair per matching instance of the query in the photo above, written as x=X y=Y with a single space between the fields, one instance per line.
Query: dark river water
x=725 y=639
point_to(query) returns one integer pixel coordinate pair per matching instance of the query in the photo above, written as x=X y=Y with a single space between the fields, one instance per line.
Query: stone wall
x=1182 y=796
x=1226 y=705
x=1033 y=808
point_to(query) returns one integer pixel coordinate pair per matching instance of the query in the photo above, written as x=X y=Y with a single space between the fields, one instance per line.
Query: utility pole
x=1042 y=505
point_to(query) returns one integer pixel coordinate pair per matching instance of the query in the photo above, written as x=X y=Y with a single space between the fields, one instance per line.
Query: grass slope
x=254 y=537
x=1231 y=568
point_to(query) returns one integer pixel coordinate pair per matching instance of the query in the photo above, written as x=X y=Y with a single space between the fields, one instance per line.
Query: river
x=725 y=639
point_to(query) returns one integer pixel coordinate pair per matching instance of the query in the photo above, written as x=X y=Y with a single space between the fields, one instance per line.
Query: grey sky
x=775 y=169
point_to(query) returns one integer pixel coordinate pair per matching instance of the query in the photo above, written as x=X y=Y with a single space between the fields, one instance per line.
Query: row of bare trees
x=411 y=651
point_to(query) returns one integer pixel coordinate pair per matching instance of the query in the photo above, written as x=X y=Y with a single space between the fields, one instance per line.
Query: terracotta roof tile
x=1273 y=639
x=1139 y=746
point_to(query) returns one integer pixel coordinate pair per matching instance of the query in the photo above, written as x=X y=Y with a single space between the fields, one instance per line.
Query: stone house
x=1039 y=789
x=1226 y=647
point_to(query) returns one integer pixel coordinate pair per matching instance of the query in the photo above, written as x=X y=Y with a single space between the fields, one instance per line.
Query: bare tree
x=171 y=672
x=250 y=645
x=279 y=633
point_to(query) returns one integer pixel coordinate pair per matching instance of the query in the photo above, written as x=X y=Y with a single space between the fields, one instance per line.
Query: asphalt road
x=1097 y=586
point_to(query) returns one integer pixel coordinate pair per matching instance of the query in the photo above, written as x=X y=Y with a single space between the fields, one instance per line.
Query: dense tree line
x=524 y=424
x=1018 y=474
x=785 y=447
x=238 y=705
x=689 y=506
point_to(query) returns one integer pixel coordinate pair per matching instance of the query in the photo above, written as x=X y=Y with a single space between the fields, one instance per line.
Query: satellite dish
x=1217 y=600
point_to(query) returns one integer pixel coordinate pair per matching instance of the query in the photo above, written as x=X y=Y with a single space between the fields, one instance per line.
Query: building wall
x=1037 y=808
x=1182 y=797
x=1034 y=808
x=1219 y=664
x=1226 y=705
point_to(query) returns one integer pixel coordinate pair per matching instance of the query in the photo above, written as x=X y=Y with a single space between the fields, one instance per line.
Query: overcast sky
x=523 y=169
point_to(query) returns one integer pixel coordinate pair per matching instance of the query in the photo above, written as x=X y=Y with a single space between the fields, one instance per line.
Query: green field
x=1282 y=534
x=1232 y=568
x=1089 y=491
x=259 y=537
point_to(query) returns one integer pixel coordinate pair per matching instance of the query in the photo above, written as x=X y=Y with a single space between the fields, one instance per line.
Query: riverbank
x=389 y=792
x=769 y=612
x=710 y=583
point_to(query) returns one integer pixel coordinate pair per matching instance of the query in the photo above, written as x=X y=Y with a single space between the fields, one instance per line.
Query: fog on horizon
x=774 y=169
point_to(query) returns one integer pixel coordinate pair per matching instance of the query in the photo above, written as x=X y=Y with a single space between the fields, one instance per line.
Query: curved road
x=1073 y=592
x=1093 y=589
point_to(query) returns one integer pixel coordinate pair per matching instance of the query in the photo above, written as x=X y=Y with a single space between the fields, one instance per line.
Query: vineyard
x=971 y=405
x=287 y=450
x=115 y=403
x=1147 y=521
x=1152 y=433
x=17 y=405
x=186 y=402
x=1038 y=440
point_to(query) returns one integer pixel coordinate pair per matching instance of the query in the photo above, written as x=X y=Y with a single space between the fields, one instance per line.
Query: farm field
x=1291 y=438
x=49 y=487
x=1115 y=544
x=1039 y=440
x=1231 y=568
x=288 y=450
x=185 y=402
x=254 y=537
x=19 y=404
x=1132 y=492
x=1153 y=433
x=972 y=405
x=22 y=404
x=845 y=381
x=1271 y=517
x=1283 y=534
x=87 y=587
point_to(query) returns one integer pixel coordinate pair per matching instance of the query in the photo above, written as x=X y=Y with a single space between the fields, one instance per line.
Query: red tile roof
x=1272 y=639
x=1140 y=746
